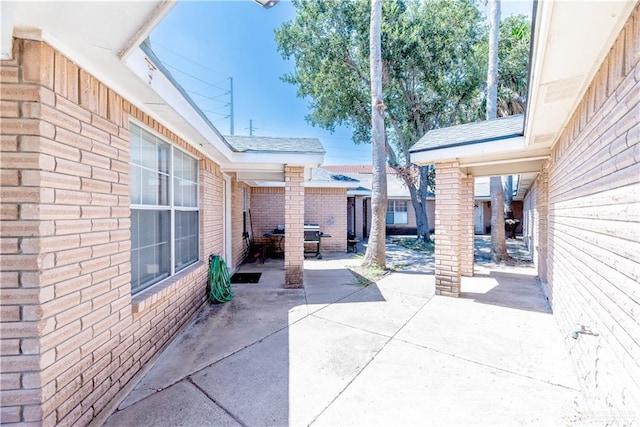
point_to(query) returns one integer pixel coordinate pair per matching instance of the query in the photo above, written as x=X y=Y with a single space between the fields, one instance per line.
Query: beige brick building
x=115 y=191
x=580 y=140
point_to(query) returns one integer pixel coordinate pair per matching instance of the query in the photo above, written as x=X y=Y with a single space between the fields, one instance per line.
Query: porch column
x=294 y=226
x=541 y=238
x=449 y=229
x=359 y=217
x=467 y=226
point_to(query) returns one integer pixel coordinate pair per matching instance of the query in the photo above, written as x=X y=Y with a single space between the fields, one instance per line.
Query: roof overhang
x=570 y=41
x=105 y=38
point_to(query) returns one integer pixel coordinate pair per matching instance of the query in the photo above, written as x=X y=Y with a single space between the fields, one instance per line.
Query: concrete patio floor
x=336 y=353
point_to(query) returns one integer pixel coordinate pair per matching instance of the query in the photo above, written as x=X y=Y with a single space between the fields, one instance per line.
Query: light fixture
x=267 y=4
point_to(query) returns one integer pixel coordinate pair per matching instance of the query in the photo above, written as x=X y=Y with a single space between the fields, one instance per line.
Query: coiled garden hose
x=219 y=280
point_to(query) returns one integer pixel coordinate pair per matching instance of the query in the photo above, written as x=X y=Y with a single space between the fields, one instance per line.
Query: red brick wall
x=267 y=211
x=593 y=241
x=72 y=335
x=324 y=206
x=328 y=208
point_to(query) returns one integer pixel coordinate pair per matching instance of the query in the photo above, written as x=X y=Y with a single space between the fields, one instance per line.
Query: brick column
x=449 y=196
x=359 y=222
x=294 y=226
x=467 y=229
x=542 y=220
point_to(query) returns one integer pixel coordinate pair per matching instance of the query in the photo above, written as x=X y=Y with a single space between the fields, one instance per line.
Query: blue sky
x=204 y=43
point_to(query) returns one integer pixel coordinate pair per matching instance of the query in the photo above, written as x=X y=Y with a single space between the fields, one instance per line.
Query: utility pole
x=251 y=128
x=231 y=105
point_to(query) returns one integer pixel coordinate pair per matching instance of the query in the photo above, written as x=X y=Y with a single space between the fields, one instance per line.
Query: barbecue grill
x=312 y=238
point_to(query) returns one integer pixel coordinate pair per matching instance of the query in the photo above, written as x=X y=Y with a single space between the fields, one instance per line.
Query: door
x=227 y=254
x=479 y=217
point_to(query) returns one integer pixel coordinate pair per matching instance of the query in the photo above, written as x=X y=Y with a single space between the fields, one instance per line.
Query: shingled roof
x=471 y=133
x=362 y=169
x=275 y=144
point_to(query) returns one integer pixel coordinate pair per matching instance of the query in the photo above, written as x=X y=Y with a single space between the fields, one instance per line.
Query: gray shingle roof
x=320 y=174
x=273 y=144
x=471 y=133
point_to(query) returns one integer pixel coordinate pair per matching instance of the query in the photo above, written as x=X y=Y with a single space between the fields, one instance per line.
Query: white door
x=226 y=212
x=479 y=217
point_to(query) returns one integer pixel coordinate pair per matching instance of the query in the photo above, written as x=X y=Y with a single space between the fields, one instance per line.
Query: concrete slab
x=373 y=310
x=409 y=385
x=179 y=405
x=249 y=317
x=290 y=377
x=510 y=328
x=335 y=353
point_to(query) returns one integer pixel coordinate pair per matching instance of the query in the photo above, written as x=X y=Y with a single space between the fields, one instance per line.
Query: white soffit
x=572 y=38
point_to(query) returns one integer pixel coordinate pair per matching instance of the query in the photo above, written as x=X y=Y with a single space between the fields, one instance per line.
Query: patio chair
x=253 y=250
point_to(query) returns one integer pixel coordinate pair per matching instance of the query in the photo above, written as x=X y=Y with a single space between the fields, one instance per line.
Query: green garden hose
x=219 y=280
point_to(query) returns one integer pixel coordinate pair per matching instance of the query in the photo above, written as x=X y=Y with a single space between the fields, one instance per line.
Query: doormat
x=246 y=278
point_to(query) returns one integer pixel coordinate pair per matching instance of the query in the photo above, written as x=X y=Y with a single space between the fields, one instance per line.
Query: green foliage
x=418 y=245
x=427 y=50
x=513 y=61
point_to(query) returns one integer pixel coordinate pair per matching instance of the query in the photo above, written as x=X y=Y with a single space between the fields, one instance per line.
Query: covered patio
x=336 y=352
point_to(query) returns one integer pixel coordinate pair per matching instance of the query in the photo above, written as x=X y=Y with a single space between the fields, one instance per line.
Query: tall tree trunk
x=498 y=243
x=507 y=182
x=420 y=209
x=376 y=251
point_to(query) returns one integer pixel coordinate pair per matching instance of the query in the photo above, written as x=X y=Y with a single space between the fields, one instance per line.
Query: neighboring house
x=401 y=217
x=115 y=191
x=580 y=138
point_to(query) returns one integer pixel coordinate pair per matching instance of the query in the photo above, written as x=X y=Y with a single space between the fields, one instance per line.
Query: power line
x=188 y=59
x=226 y=91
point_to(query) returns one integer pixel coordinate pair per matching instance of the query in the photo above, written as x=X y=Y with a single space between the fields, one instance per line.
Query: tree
x=376 y=250
x=429 y=75
x=498 y=243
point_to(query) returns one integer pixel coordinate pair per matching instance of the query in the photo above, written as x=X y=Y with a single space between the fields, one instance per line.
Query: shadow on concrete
x=507 y=289
x=248 y=343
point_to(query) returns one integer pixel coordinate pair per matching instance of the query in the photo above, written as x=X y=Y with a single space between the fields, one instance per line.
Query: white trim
x=7 y=16
x=227 y=221
x=514 y=145
x=146 y=28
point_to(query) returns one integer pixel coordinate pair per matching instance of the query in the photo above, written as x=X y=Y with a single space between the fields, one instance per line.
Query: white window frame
x=400 y=215
x=171 y=207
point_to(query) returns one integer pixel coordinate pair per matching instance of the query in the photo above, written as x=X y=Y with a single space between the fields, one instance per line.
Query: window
x=397 y=212
x=164 y=209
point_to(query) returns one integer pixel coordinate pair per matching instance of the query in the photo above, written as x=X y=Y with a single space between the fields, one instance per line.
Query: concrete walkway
x=335 y=353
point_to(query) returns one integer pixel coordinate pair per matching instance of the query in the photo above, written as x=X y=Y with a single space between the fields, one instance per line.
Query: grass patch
x=365 y=276
x=414 y=244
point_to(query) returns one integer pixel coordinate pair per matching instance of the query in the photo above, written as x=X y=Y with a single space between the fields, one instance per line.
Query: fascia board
x=198 y=132
x=468 y=151
x=259 y=158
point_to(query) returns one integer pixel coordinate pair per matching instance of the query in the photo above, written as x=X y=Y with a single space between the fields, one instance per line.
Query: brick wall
x=328 y=208
x=449 y=199
x=267 y=211
x=324 y=206
x=72 y=335
x=593 y=257
x=294 y=226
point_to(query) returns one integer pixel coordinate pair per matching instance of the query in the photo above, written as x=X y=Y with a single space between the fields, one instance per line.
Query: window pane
x=150 y=250
x=148 y=151
x=135 y=191
x=389 y=218
x=400 y=218
x=163 y=156
x=186 y=238
x=135 y=145
x=177 y=192
x=155 y=189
